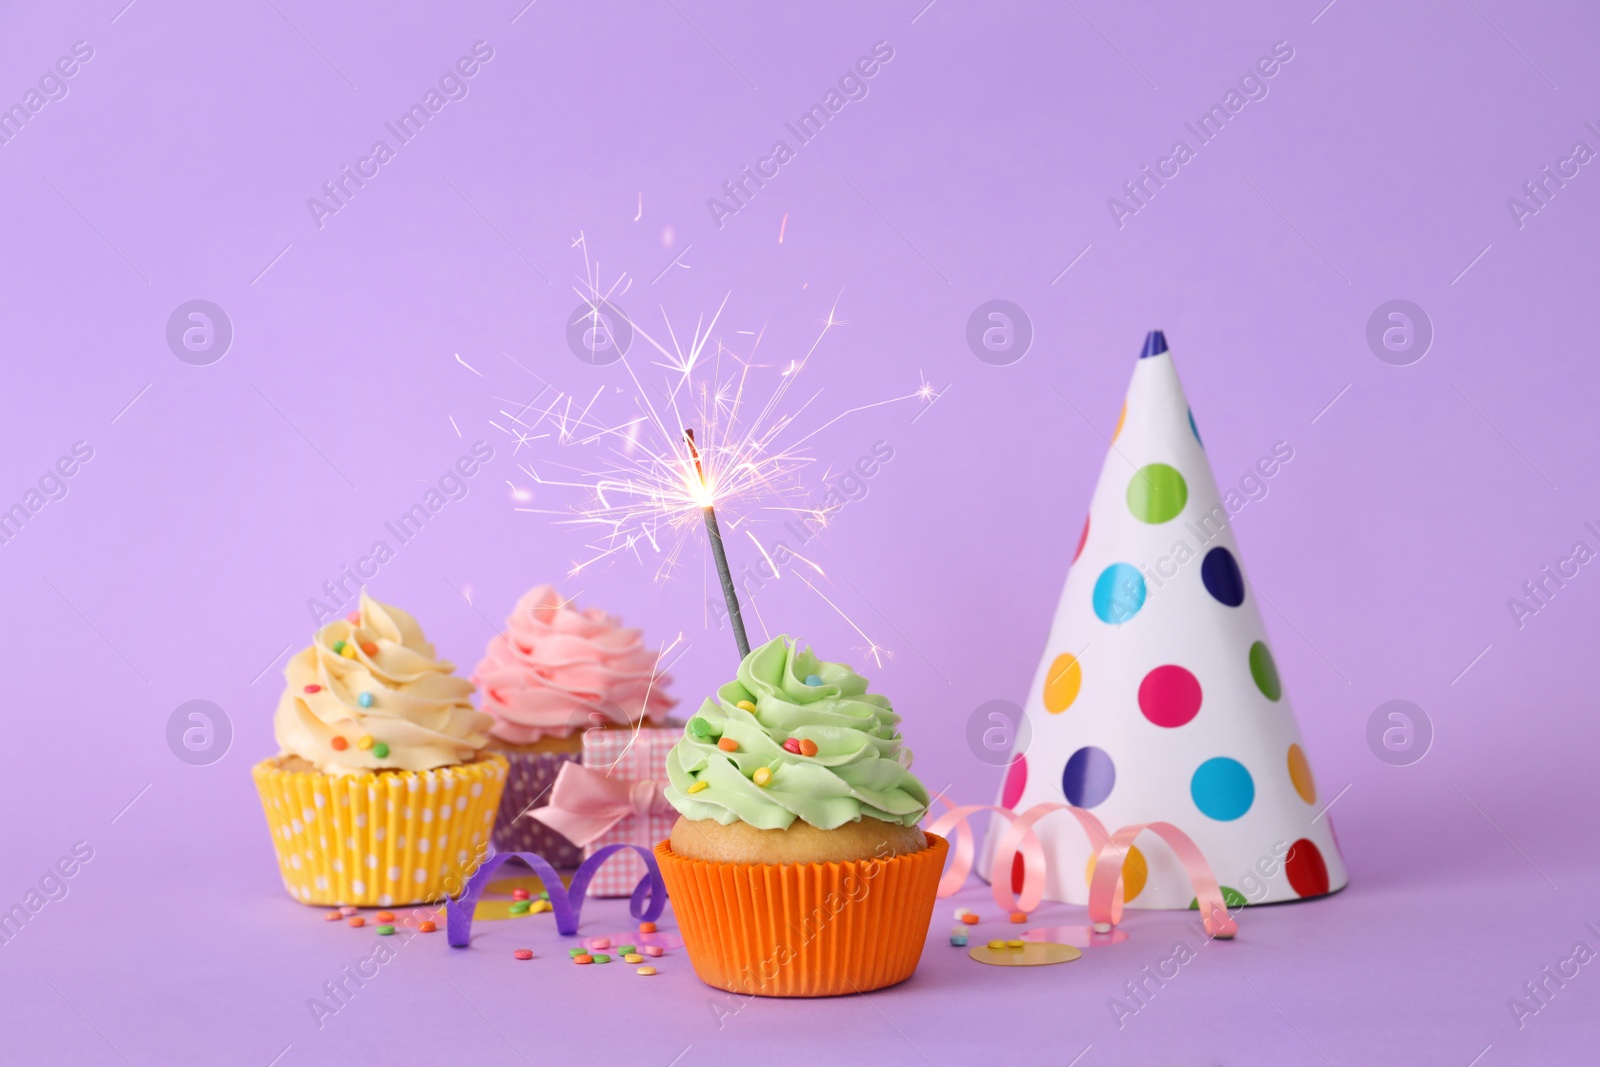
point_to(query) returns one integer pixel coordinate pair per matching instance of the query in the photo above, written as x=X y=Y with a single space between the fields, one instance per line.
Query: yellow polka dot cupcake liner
x=396 y=838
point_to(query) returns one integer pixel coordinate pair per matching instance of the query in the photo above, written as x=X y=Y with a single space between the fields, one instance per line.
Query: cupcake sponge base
x=804 y=929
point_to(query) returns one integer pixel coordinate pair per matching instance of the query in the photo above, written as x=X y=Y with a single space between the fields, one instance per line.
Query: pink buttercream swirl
x=556 y=669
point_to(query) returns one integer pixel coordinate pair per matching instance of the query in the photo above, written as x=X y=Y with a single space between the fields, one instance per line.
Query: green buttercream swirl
x=860 y=767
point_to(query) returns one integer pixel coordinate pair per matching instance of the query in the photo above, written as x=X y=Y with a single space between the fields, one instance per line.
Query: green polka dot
x=1231 y=898
x=1264 y=671
x=1156 y=493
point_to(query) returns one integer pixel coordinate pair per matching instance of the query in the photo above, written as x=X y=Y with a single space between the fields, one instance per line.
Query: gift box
x=528 y=785
x=614 y=798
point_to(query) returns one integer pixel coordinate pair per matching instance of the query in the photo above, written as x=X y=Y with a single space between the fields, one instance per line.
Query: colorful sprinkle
x=653 y=950
x=519 y=894
x=583 y=957
x=1014 y=943
x=1019 y=916
x=338 y=647
x=333 y=916
x=747 y=706
x=959 y=940
x=369 y=647
x=646 y=971
x=348 y=652
x=427 y=926
x=626 y=950
x=997 y=944
x=356 y=920
x=574 y=952
x=762 y=777
x=970 y=918
x=365 y=700
x=601 y=957
x=380 y=750
x=698 y=786
x=728 y=744
x=354 y=618
x=364 y=742
x=523 y=953
x=520 y=907
x=699 y=728
x=792 y=745
x=339 y=744
x=386 y=929
x=600 y=942
x=962 y=913
x=813 y=679
x=647 y=928
x=313 y=688
x=348 y=910
x=1101 y=928
x=633 y=957
x=808 y=747
x=385 y=916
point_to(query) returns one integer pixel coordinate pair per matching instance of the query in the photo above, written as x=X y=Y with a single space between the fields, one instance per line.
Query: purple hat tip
x=1155 y=343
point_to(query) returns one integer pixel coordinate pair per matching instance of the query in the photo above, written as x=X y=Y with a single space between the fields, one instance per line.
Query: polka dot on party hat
x=1157 y=697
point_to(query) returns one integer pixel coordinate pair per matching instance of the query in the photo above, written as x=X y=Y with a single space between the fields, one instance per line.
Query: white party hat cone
x=1157 y=698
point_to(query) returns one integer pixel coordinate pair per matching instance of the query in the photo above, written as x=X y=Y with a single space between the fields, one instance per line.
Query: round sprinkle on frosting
x=728 y=744
x=365 y=700
x=698 y=787
x=313 y=688
x=791 y=745
x=338 y=743
x=380 y=750
x=808 y=747
x=369 y=647
x=338 y=646
x=813 y=679
x=364 y=742
x=348 y=651
x=762 y=777
x=747 y=706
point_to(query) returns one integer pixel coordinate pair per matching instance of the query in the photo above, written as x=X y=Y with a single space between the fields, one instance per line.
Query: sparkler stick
x=714 y=532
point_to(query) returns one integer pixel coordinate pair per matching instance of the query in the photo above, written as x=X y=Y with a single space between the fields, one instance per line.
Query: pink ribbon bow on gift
x=584 y=803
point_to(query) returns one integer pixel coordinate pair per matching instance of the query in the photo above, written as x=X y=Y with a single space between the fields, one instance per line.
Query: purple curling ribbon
x=648 y=901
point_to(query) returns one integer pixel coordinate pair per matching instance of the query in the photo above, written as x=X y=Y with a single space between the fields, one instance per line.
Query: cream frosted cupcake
x=797 y=867
x=382 y=792
x=555 y=672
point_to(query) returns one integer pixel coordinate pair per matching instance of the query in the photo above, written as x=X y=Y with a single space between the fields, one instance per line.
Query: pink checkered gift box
x=614 y=798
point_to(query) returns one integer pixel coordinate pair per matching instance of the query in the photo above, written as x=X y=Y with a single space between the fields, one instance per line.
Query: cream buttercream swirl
x=859 y=766
x=368 y=695
x=557 y=668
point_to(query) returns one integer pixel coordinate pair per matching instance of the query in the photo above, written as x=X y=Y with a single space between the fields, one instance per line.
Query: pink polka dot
x=1016 y=782
x=1169 y=696
x=1083 y=539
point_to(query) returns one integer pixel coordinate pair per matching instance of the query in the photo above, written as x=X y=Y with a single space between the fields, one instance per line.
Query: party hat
x=1158 y=698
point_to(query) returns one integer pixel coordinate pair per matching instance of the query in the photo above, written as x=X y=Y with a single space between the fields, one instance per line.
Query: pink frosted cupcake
x=555 y=672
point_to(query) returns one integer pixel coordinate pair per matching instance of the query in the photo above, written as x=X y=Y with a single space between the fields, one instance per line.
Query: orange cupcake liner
x=380 y=840
x=804 y=929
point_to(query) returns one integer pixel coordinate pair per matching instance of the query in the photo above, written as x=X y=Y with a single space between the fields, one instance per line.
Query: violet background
x=978 y=167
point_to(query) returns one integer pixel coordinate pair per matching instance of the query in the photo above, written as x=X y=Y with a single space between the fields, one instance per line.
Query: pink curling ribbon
x=585 y=804
x=1105 y=891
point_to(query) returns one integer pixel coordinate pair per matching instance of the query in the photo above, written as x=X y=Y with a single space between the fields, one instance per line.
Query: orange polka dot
x=1300 y=774
x=1135 y=872
x=1061 y=685
x=1121 y=418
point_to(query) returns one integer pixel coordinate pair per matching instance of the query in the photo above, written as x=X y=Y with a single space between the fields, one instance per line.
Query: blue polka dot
x=1195 y=429
x=1220 y=572
x=1088 y=777
x=1118 y=593
x=1222 y=789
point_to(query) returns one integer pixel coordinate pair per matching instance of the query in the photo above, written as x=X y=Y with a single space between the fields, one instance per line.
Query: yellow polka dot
x=1300 y=774
x=1061 y=685
x=1121 y=418
x=1135 y=872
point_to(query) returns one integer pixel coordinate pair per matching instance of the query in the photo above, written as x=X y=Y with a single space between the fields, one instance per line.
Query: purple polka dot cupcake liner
x=528 y=785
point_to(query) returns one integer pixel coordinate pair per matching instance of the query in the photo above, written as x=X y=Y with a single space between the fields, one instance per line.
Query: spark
x=617 y=465
x=640 y=213
x=784 y=225
x=467 y=365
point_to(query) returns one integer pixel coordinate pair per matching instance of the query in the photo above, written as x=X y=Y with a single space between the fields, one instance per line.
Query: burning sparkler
x=654 y=479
